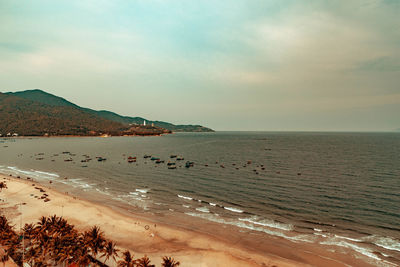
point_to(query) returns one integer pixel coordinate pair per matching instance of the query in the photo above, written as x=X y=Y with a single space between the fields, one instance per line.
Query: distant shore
x=146 y=236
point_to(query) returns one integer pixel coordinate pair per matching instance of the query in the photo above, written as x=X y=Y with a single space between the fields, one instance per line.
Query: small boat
x=189 y=164
x=173 y=156
x=170 y=163
x=180 y=158
x=154 y=158
x=131 y=160
x=159 y=161
x=101 y=159
x=131 y=157
x=67 y=159
x=172 y=167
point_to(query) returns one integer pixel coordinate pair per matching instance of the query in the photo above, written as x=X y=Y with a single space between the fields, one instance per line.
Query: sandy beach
x=146 y=237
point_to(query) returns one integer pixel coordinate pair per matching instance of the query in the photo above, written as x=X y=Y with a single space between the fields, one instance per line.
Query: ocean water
x=340 y=189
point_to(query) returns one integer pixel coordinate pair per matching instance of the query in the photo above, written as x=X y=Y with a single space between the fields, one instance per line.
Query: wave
x=233 y=209
x=31 y=173
x=342 y=243
x=384 y=242
x=184 y=197
x=78 y=183
x=103 y=192
x=268 y=223
x=218 y=219
x=48 y=173
x=203 y=209
x=348 y=238
x=144 y=190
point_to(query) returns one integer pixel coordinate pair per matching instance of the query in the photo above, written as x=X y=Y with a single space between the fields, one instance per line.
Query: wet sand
x=146 y=236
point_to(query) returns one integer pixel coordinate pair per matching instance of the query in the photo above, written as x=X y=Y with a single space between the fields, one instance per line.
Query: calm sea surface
x=338 y=189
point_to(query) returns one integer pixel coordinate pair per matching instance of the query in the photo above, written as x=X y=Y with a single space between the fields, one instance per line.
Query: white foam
x=233 y=209
x=317 y=230
x=186 y=206
x=365 y=251
x=384 y=242
x=144 y=191
x=184 y=197
x=48 y=173
x=268 y=223
x=203 y=209
x=323 y=235
x=103 y=192
x=134 y=193
x=30 y=173
x=79 y=183
x=348 y=238
x=214 y=218
x=213 y=204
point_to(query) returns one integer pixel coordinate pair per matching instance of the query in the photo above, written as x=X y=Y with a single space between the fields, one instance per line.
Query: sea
x=328 y=188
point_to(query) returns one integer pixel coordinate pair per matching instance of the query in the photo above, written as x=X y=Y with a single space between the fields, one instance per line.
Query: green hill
x=43 y=97
x=27 y=117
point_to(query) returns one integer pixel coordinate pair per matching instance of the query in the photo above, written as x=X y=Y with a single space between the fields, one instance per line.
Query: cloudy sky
x=230 y=65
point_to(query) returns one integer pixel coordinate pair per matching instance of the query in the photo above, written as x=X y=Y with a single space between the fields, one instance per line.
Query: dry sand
x=144 y=237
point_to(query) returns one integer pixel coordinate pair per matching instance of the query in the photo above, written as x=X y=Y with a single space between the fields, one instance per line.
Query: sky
x=283 y=65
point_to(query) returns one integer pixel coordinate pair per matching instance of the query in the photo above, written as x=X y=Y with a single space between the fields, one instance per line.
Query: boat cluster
x=172 y=163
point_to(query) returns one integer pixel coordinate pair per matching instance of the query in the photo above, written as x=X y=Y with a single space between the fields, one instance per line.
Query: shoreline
x=190 y=245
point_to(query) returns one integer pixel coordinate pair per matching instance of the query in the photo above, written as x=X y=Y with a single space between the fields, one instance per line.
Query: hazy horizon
x=250 y=66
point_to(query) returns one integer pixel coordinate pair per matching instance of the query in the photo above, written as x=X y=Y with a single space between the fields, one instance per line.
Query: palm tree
x=29 y=230
x=4 y=258
x=127 y=260
x=169 y=262
x=95 y=240
x=144 y=262
x=110 y=250
x=31 y=255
